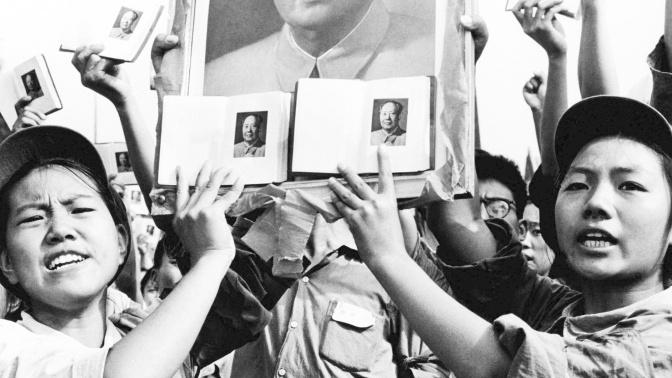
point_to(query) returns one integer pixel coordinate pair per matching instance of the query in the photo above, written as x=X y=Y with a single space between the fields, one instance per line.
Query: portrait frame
x=454 y=118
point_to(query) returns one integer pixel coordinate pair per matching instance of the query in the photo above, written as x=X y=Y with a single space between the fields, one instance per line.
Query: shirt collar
x=112 y=335
x=343 y=61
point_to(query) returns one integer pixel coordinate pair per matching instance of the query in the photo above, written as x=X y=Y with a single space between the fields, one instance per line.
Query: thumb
x=162 y=43
x=22 y=103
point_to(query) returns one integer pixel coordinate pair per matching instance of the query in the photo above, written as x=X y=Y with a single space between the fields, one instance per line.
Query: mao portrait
x=282 y=41
x=126 y=21
x=388 y=124
x=250 y=135
x=32 y=85
x=123 y=162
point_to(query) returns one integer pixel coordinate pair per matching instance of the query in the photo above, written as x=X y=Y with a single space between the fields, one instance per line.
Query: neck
x=606 y=296
x=391 y=131
x=318 y=41
x=252 y=143
x=85 y=324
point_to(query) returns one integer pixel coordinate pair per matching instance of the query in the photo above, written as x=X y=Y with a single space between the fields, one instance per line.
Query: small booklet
x=123 y=26
x=32 y=78
x=250 y=132
x=117 y=161
x=346 y=120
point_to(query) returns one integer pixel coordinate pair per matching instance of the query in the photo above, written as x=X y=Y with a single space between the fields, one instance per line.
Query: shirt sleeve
x=505 y=284
x=25 y=354
x=621 y=353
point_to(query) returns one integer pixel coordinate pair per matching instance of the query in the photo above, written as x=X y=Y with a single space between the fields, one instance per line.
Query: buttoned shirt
x=395 y=138
x=242 y=149
x=383 y=45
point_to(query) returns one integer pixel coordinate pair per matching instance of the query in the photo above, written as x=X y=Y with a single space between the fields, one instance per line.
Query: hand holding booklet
x=333 y=121
x=122 y=26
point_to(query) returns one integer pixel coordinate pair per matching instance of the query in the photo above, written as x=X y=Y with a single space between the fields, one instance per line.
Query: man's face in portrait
x=318 y=14
x=389 y=117
x=250 y=129
x=127 y=20
x=30 y=85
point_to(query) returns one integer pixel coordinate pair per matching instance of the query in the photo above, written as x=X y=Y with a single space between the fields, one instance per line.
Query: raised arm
x=158 y=346
x=534 y=93
x=107 y=78
x=597 y=68
x=537 y=17
x=466 y=343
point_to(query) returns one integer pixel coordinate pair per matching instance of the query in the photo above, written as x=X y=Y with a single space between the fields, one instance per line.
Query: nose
x=60 y=229
x=599 y=205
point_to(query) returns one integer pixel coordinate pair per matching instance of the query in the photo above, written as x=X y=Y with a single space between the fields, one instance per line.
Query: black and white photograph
x=150 y=229
x=125 y=24
x=136 y=196
x=388 y=125
x=32 y=84
x=250 y=135
x=258 y=45
x=123 y=162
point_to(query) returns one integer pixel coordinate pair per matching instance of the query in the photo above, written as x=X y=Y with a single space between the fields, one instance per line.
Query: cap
x=37 y=144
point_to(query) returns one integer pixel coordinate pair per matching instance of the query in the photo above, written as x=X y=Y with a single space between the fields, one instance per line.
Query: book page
x=327 y=124
x=122 y=26
x=248 y=132
x=398 y=115
x=32 y=78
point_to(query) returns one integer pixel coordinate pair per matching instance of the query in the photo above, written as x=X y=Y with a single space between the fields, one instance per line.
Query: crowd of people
x=565 y=276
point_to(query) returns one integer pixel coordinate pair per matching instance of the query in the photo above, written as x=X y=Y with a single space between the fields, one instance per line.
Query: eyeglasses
x=497 y=207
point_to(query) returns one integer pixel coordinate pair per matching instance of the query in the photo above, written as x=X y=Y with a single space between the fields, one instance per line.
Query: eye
x=82 y=210
x=574 y=186
x=536 y=232
x=631 y=186
x=31 y=219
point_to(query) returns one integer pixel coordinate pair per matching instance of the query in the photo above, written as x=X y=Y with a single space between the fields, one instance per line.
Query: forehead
x=617 y=153
x=47 y=182
x=250 y=119
x=531 y=213
x=490 y=188
x=389 y=107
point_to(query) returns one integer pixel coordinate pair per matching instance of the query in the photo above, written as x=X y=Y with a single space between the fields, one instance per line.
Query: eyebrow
x=590 y=171
x=45 y=205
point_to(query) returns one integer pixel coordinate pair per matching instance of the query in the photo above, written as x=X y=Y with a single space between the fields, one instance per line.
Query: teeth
x=596 y=244
x=63 y=260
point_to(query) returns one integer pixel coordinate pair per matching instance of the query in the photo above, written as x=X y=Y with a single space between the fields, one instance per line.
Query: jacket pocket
x=350 y=336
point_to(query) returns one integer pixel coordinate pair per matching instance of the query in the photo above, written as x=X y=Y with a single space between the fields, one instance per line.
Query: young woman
x=613 y=218
x=64 y=238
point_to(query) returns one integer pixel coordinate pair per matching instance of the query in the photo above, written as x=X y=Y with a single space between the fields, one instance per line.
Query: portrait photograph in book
x=32 y=85
x=388 y=125
x=123 y=162
x=125 y=23
x=250 y=139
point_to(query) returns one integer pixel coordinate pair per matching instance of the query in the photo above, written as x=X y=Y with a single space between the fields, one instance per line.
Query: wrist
x=381 y=260
x=214 y=261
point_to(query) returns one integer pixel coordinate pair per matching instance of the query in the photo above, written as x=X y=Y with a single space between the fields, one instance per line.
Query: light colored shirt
x=395 y=138
x=632 y=341
x=120 y=34
x=242 y=149
x=383 y=45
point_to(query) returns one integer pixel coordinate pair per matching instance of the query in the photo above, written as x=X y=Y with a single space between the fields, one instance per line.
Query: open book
x=248 y=132
x=123 y=26
x=32 y=78
x=346 y=120
x=335 y=121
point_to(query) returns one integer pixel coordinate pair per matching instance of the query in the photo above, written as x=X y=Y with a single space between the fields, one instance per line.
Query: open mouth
x=594 y=238
x=61 y=260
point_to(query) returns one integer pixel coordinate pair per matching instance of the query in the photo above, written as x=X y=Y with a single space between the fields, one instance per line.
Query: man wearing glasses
x=474 y=229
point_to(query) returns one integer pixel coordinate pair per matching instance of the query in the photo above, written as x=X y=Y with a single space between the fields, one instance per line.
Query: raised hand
x=534 y=91
x=199 y=218
x=27 y=115
x=102 y=75
x=537 y=17
x=479 y=31
x=373 y=217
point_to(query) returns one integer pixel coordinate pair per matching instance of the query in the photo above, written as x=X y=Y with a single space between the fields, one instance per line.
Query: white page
x=196 y=129
x=99 y=25
x=326 y=111
x=414 y=155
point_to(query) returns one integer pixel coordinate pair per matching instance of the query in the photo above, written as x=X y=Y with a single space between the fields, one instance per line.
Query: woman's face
x=612 y=212
x=62 y=244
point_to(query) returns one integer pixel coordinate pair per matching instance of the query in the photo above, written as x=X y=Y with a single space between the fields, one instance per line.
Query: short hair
x=397 y=106
x=505 y=171
x=259 y=119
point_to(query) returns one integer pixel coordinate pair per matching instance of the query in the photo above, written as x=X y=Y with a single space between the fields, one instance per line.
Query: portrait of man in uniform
x=249 y=133
x=125 y=24
x=32 y=85
x=387 y=127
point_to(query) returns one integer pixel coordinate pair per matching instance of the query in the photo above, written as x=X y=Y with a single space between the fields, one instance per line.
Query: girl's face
x=612 y=212
x=62 y=244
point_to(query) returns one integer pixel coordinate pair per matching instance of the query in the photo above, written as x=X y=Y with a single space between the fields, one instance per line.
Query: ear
x=122 y=242
x=7 y=267
x=522 y=230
